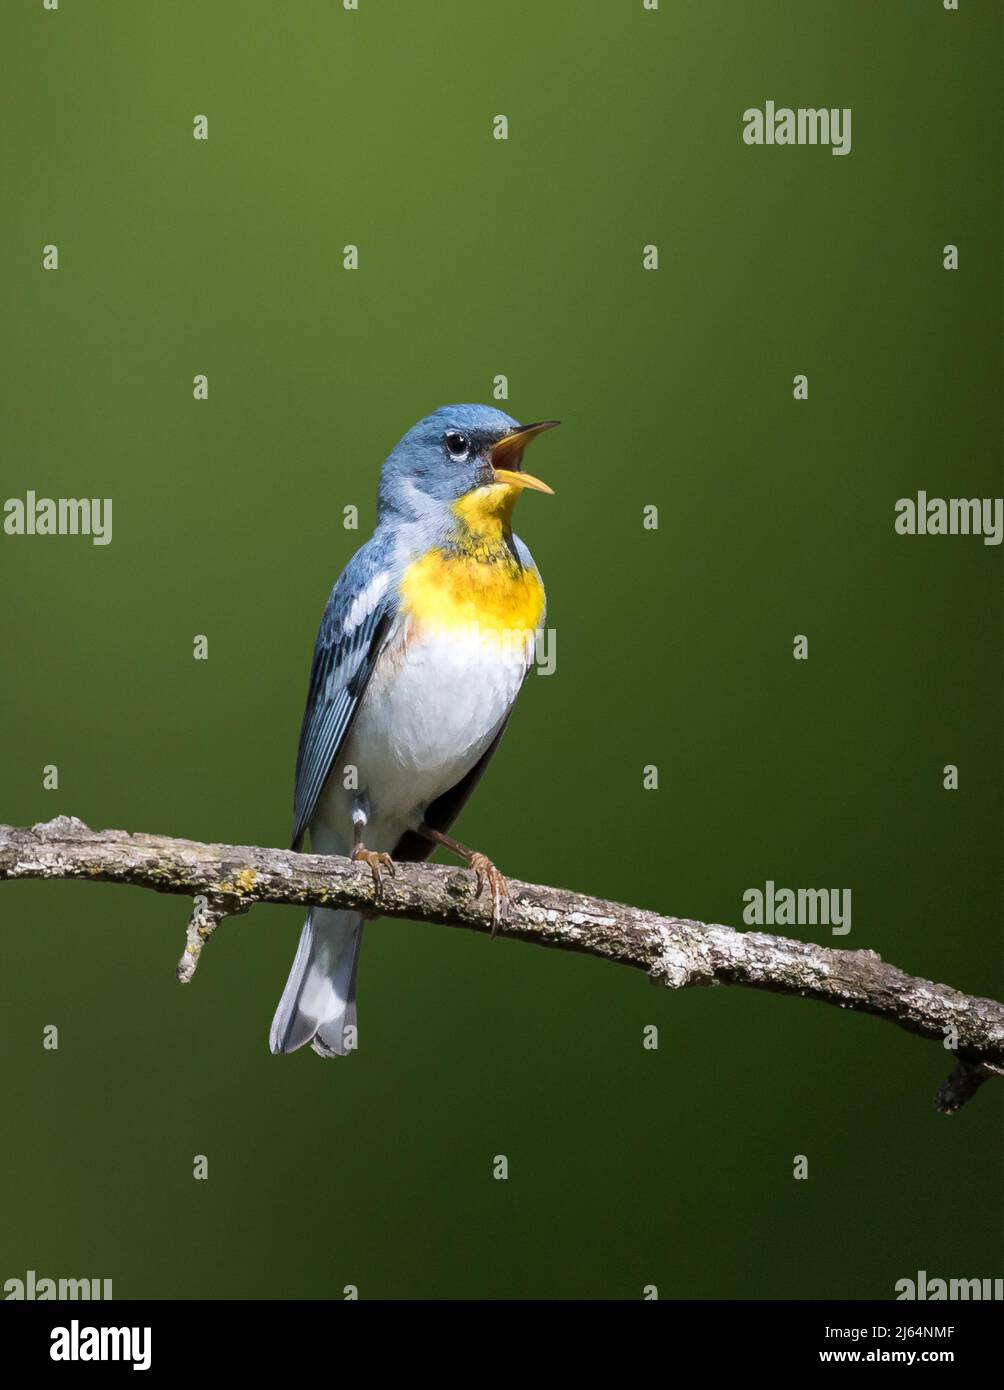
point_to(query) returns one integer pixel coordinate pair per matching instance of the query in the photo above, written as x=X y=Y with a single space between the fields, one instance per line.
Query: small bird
x=425 y=642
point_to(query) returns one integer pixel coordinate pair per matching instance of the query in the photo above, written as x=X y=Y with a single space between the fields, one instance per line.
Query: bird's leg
x=481 y=866
x=376 y=859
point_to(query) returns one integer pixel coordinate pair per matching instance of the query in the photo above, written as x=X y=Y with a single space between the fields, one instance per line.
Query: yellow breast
x=448 y=590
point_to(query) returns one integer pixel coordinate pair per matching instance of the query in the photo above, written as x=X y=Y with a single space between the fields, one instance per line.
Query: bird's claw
x=485 y=872
x=377 y=860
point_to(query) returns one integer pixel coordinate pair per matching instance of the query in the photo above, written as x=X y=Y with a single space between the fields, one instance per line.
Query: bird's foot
x=484 y=871
x=377 y=860
x=481 y=867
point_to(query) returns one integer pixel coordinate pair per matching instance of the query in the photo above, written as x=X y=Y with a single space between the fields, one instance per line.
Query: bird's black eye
x=458 y=446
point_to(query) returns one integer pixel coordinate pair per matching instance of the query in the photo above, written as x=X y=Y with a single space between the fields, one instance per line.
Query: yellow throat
x=478 y=581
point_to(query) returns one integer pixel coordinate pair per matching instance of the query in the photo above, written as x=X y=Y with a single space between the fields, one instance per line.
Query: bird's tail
x=318 y=1004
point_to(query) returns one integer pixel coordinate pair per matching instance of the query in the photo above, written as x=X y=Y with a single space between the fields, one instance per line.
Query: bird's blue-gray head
x=458 y=452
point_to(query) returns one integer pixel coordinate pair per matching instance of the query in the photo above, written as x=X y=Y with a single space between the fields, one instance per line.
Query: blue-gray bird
x=424 y=643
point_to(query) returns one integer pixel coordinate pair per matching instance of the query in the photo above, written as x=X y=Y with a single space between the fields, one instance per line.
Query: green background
x=627 y=1167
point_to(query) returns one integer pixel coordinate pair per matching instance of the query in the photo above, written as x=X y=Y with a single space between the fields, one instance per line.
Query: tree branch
x=227 y=880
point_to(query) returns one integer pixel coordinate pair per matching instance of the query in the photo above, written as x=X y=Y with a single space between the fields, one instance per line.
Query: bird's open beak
x=507 y=456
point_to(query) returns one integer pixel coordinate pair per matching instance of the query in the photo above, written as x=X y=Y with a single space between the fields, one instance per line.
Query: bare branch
x=201 y=925
x=673 y=951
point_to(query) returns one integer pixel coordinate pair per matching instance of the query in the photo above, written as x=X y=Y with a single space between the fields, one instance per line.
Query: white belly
x=431 y=709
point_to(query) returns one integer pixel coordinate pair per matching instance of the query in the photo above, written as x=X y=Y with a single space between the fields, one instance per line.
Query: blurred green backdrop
x=477 y=257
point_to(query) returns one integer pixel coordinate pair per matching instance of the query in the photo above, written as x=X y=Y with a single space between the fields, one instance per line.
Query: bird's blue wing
x=352 y=631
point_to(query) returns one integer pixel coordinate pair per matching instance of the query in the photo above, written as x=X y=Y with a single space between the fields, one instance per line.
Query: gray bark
x=674 y=952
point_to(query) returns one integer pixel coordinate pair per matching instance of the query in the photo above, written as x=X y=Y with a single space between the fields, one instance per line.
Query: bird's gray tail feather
x=318 y=1004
